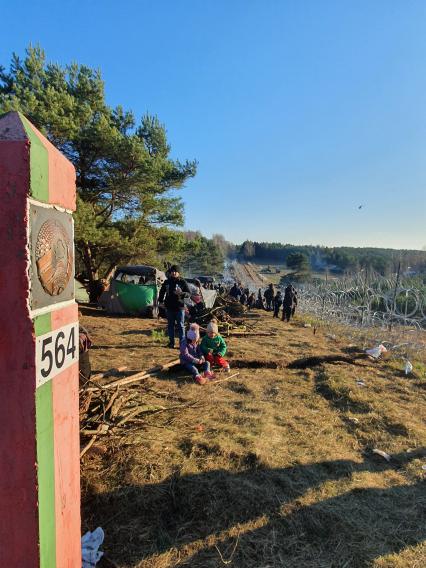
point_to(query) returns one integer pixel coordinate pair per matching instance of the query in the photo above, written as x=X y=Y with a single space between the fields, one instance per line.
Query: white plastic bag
x=375 y=352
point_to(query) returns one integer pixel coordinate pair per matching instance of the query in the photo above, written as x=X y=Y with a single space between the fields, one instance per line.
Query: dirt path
x=271 y=468
x=248 y=275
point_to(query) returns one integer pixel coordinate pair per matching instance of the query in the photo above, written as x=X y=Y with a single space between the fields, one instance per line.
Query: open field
x=270 y=468
x=254 y=271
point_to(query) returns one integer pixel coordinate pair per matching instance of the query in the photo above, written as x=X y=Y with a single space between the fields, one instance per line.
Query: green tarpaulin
x=134 y=297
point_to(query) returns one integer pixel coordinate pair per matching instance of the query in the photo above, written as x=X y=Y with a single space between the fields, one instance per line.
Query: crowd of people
x=269 y=300
x=199 y=355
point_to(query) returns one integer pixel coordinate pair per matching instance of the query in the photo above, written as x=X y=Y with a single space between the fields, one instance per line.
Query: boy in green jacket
x=213 y=347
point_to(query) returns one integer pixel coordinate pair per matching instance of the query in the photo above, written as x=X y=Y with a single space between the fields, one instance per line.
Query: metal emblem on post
x=54 y=257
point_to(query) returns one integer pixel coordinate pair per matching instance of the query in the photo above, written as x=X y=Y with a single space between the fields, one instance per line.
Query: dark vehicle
x=206 y=279
x=133 y=290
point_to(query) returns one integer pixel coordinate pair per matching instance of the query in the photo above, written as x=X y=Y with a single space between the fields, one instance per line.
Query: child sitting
x=191 y=356
x=214 y=347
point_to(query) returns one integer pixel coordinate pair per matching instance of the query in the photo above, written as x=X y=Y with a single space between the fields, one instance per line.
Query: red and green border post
x=39 y=434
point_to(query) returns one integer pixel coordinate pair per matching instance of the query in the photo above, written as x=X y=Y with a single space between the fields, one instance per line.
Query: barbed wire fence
x=372 y=308
x=366 y=308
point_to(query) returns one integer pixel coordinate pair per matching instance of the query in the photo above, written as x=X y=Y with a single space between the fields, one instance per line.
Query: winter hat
x=174 y=268
x=212 y=327
x=196 y=329
x=191 y=334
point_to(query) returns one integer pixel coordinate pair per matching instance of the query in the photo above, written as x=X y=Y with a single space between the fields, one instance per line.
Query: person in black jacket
x=277 y=303
x=251 y=301
x=259 y=302
x=269 y=297
x=174 y=291
x=289 y=303
x=235 y=291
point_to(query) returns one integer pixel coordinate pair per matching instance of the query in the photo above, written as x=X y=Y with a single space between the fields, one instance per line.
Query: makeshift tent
x=208 y=296
x=134 y=291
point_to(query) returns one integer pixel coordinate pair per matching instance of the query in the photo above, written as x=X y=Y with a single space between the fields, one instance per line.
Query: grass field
x=271 y=468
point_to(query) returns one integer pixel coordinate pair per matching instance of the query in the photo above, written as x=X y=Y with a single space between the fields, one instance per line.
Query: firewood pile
x=230 y=306
x=231 y=316
x=224 y=310
x=109 y=408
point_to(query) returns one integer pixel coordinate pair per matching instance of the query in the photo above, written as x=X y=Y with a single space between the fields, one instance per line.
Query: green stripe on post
x=39 y=164
x=42 y=324
x=46 y=476
x=45 y=461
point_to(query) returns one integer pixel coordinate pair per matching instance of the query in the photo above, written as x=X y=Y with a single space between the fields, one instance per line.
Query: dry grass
x=273 y=468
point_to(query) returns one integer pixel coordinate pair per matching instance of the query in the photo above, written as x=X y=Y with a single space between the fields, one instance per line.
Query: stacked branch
x=105 y=409
x=230 y=315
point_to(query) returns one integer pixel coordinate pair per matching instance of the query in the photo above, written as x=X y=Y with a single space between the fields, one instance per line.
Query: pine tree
x=124 y=171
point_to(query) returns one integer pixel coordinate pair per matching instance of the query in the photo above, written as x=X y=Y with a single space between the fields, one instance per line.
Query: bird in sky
x=360 y=206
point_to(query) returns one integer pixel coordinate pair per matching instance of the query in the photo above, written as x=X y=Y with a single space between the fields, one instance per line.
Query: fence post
x=394 y=296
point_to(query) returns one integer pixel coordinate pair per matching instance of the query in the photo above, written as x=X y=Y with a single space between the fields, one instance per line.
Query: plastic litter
x=408 y=367
x=361 y=383
x=383 y=454
x=375 y=352
x=307 y=325
x=424 y=467
x=90 y=543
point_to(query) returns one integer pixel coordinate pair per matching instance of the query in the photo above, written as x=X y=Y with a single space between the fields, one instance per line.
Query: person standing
x=293 y=311
x=173 y=292
x=289 y=302
x=269 y=297
x=251 y=301
x=235 y=291
x=277 y=303
x=259 y=303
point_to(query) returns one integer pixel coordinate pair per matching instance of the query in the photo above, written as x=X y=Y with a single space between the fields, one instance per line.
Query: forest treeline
x=337 y=259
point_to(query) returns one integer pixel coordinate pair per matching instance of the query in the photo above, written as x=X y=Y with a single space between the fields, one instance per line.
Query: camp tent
x=208 y=296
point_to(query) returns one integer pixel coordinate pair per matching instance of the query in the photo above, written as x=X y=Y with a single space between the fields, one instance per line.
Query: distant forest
x=338 y=259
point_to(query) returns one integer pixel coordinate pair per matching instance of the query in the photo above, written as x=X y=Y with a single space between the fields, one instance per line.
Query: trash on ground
x=424 y=467
x=90 y=543
x=354 y=420
x=361 y=383
x=307 y=325
x=375 y=352
x=383 y=454
x=408 y=367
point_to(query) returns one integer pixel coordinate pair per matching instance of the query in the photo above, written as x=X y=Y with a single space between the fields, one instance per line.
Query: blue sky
x=297 y=111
